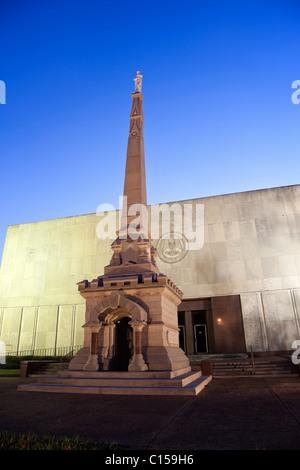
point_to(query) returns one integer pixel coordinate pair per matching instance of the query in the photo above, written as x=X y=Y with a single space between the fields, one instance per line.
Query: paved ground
x=237 y=414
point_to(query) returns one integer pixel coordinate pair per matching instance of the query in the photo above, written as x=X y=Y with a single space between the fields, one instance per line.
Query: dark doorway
x=181 y=326
x=200 y=339
x=124 y=344
x=218 y=320
x=200 y=331
x=181 y=337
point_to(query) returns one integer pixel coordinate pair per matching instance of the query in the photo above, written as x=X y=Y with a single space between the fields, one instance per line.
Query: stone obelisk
x=133 y=244
x=132 y=286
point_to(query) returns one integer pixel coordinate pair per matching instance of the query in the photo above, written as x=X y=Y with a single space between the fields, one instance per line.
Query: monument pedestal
x=150 y=302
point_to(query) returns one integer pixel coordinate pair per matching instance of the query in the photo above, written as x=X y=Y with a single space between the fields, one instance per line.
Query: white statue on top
x=138 y=82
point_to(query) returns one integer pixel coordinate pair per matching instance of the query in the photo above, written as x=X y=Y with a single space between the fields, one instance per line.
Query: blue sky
x=217 y=100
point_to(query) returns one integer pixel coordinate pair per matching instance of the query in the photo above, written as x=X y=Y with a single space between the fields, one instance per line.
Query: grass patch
x=13 y=441
x=9 y=372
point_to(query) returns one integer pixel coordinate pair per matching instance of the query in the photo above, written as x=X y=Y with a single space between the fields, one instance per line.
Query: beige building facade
x=241 y=284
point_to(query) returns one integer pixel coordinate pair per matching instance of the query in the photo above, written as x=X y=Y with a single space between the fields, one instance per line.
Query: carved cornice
x=131 y=284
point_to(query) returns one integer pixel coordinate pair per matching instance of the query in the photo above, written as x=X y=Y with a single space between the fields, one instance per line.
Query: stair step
x=192 y=388
x=261 y=368
x=151 y=374
x=180 y=382
x=51 y=369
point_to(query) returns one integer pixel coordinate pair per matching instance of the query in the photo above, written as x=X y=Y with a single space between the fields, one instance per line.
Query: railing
x=62 y=358
x=252 y=361
x=59 y=351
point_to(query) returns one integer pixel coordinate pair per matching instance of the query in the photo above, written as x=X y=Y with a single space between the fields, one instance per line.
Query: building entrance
x=200 y=335
x=211 y=325
x=124 y=344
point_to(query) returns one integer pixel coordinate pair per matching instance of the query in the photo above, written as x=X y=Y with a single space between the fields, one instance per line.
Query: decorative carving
x=135 y=128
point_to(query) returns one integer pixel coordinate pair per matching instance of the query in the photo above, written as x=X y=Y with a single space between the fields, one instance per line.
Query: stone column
x=93 y=361
x=110 y=343
x=137 y=362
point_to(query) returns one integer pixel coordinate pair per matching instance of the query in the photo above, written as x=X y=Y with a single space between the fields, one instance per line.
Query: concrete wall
x=56 y=328
x=43 y=261
x=271 y=319
x=251 y=244
x=251 y=247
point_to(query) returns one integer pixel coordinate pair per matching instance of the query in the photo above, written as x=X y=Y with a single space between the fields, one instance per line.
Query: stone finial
x=138 y=82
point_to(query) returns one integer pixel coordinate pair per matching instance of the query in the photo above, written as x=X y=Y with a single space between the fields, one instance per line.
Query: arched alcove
x=106 y=309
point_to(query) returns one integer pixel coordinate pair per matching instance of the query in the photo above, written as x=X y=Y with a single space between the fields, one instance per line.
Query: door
x=124 y=343
x=182 y=337
x=200 y=338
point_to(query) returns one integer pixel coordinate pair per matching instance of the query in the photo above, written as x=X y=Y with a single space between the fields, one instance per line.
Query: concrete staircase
x=51 y=369
x=181 y=382
x=275 y=367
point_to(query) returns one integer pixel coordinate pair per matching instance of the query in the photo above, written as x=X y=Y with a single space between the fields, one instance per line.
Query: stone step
x=51 y=369
x=261 y=368
x=180 y=381
x=193 y=388
x=150 y=374
x=249 y=368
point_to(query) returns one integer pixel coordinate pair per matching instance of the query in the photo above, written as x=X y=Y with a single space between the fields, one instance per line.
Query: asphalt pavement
x=229 y=414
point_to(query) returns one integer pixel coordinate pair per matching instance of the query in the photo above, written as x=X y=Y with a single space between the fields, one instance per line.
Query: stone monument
x=132 y=285
x=131 y=328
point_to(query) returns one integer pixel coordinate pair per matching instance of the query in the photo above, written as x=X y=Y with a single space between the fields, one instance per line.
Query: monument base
x=137 y=364
x=165 y=358
x=181 y=382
